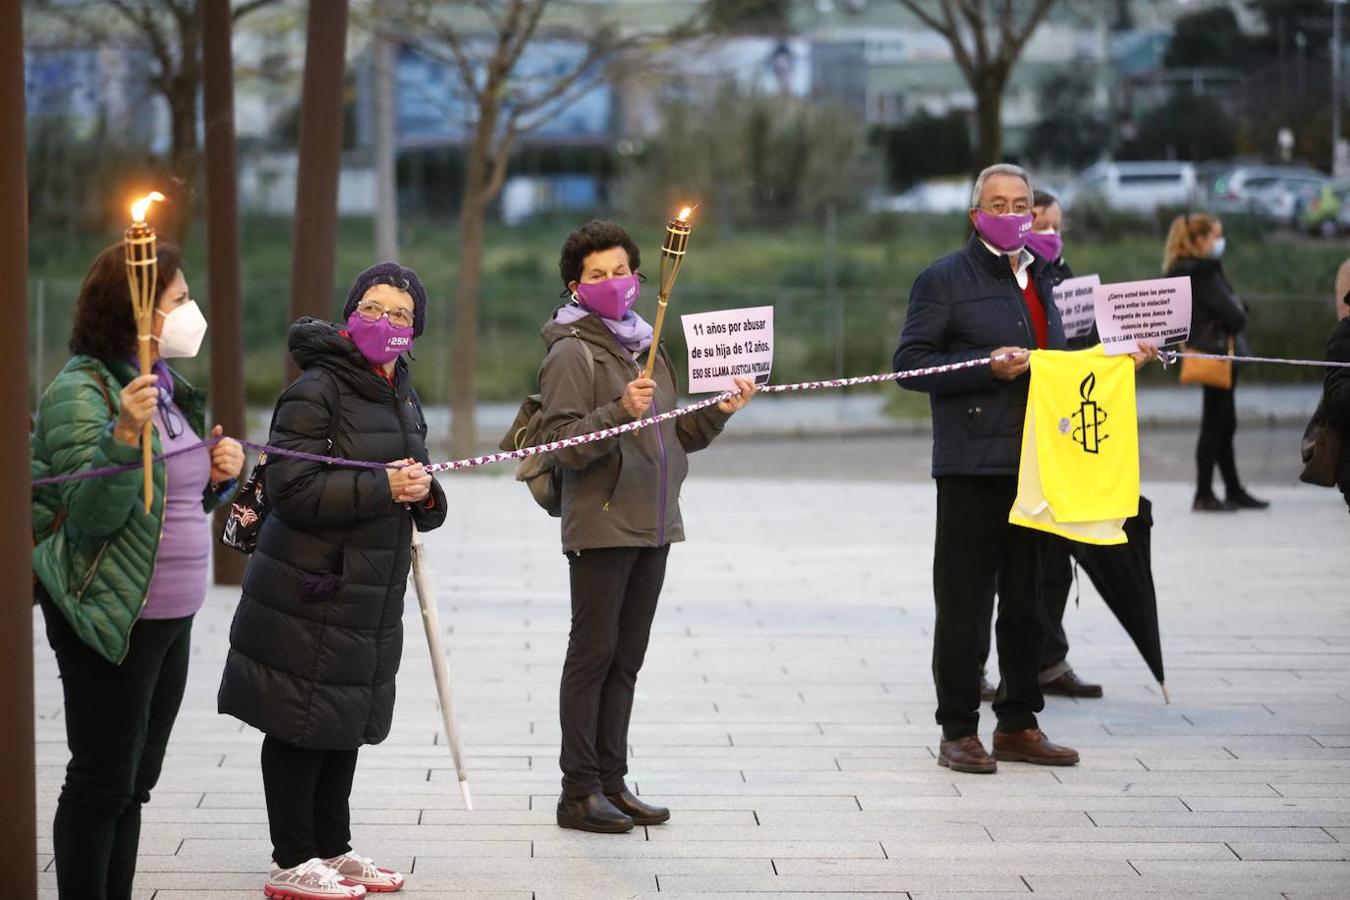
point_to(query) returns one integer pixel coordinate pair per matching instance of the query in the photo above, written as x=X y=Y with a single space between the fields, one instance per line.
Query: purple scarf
x=632 y=331
x=160 y=368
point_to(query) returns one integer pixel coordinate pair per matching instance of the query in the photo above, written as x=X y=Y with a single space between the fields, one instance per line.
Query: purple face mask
x=379 y=341
x=1045 y=244
x=1007 y=233
x=612 y=298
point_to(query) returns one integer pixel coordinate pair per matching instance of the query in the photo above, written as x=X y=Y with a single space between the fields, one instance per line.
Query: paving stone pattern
x=786 y=715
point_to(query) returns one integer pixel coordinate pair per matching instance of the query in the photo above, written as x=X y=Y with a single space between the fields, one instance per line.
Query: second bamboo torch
x=673 y=250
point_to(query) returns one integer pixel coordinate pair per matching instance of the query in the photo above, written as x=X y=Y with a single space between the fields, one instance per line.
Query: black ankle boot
x=593 y=813
x=641 y=813
x=1240 y=499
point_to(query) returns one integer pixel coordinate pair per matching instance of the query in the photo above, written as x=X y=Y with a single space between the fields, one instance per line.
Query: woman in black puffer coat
x=318 y=634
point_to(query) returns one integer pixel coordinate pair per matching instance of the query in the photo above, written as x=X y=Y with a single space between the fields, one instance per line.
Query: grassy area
x=1286 y=280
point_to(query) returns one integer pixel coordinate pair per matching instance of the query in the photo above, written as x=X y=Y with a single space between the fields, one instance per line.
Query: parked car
x=1279 y=193
x=1328 y=214
x=1135 y=186
x=936 y=195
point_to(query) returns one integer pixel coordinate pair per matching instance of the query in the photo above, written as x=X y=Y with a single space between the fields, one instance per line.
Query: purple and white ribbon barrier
x=1168 y=357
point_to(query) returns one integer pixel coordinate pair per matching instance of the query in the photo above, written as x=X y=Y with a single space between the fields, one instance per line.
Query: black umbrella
x=1123 y=575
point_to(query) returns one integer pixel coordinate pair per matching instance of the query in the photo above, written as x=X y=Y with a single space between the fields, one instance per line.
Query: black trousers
x=614 y=596
x=308 y=793
x=118 y=720
x=977 y=553
x=1056 y=585
x=1218 y=424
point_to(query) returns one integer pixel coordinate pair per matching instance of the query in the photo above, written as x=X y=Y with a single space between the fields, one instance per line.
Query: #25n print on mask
x=1007 y=233
x=379 y=341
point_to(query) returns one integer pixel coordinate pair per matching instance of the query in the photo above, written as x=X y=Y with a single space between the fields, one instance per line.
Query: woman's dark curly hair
x=591 y=238
x=104 y=325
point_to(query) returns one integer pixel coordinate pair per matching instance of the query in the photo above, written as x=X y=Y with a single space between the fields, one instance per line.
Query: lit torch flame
x=141 y=206
x=684 y=214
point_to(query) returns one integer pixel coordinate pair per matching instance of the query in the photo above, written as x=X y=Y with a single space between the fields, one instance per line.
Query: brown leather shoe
x=987 y=691
x=641 y=813
x=1032 y=746
x=1070 y=685
x=966 y=754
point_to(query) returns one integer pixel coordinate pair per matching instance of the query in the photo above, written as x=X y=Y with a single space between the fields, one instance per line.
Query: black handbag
x=247 y=511
x=1323 y=443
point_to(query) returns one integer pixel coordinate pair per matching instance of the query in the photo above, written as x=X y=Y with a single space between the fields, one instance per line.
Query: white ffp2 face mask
x=183 y=332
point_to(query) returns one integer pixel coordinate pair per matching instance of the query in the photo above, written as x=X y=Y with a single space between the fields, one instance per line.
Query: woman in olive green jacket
x=119 y=586
x=620 y=511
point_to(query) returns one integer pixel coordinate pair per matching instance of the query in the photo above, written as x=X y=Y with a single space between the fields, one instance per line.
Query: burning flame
x=1086 y=387
x=141 y=206
x=685 y=213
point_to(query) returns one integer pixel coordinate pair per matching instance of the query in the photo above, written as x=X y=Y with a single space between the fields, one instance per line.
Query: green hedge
x=1285 y=279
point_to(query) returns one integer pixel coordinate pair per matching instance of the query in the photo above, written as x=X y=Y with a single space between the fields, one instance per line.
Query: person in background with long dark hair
x=119 y=585
x=1195 y=247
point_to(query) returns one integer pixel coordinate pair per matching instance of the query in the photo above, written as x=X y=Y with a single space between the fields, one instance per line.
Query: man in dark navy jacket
x=991 y=300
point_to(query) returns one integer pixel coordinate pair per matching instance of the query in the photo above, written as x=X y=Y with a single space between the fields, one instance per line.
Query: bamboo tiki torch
x=142 y=271
x=672 y=257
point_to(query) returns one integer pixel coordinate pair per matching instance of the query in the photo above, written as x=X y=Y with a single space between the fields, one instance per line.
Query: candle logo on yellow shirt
x=1091 y=417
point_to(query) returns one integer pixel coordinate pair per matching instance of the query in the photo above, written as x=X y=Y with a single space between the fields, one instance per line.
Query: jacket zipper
x=661 y=447
x=661 y=509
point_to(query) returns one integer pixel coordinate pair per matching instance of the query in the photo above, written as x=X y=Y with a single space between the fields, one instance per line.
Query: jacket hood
x=316 y=343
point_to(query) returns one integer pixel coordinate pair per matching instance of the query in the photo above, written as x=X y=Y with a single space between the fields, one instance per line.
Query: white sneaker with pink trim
x=311 y=880
x=363 y=871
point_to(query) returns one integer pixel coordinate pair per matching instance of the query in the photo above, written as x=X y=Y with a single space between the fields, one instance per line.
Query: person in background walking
x=1195 y=247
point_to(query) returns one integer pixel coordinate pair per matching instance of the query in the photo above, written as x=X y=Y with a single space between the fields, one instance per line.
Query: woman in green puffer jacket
x=119 y=586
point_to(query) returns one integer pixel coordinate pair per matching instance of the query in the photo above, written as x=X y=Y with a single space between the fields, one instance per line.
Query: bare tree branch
x=249 y=7
x=971 y=66
x=532 y=10
x=456 y=56
x=1038 y=14
x=500 y=163
x=973 y=11
x=926 y=18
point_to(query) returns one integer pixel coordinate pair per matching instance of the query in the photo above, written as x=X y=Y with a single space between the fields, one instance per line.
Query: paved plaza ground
x=786 y=709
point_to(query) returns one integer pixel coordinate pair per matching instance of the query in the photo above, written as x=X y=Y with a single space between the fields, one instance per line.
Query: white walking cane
x=431 y=621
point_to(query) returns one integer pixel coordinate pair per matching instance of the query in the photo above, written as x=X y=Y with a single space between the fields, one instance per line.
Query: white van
x=1135 y=186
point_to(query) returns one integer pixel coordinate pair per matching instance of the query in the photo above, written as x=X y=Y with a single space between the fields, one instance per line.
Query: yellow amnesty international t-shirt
x=1079 y=473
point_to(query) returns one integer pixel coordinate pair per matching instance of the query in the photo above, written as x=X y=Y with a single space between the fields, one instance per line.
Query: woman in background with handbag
x=1195 y=245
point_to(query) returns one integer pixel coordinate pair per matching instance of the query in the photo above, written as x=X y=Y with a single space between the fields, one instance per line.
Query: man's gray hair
x=997 y=169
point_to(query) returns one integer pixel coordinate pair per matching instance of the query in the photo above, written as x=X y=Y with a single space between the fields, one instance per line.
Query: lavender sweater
x=178 y=586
